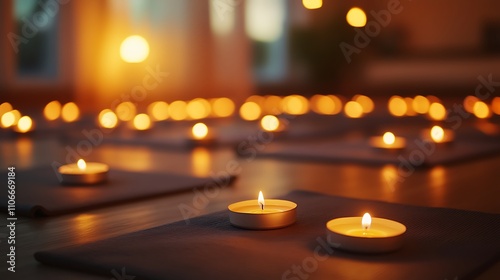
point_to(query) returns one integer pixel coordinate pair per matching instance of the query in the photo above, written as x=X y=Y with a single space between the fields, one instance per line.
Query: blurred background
x=74 y=50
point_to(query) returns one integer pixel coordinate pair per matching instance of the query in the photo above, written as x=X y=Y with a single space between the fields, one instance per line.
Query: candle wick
x=262 y=206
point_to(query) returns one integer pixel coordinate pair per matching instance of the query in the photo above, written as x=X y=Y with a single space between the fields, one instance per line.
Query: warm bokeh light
x=5 y=107
x=270 y=123
x=469 y=102
x=264 y=19
x=356 y=17
x=107 y=119
x=495 y=105
x=389 y=138
x=481 y=110
x=142 y=122
x=70 y=112
x=177 y=110
x=198 y=108
x=437 y=133
x=201 y=162
x=397 y=106
x=82 y=165
x=437 y=111
x=222 y=107
x=24 y=124
x=125 y=111
x=272 y=104
x=134 y=49
x=326 y=104
x=259 y=99
x=365 y=102
x=433 y=99
x=8 y=119
x=409 y=107
x=52 y=110
x=199 y=131
x=295 y=104
x=312 y=4
x=158 y=110
x=353 y=110
x=250 y=111
x=420 y=104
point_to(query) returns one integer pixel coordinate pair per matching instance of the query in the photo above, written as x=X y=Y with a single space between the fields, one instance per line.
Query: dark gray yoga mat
x=38 y=192
x=440 y=244
x=360 y=151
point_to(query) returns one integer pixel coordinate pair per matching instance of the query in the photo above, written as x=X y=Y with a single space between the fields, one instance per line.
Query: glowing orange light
x=107 y=119
x=495 y=105
x=295 y=104
x=437 y=134
x=142 y=122
x=223 y=107
x=366 y=221
x=481 y=110
x=250 y=111
x=469 y=102
x=52 y=110
x=397 y=106
x=134 y=49
x=198 y=108
x=365 y=102
x=261 y=201
x=8 y=119
x=125 y=111
x=312 y=4
x=437 y=111
x=177 y=110
x=272 y=105
x=420 y=104
x=353 y=110
x=199 y=131
x=5 y=107
x=270 y=123
x=24 y=124
x=82 y=165
x=389 y=138
x=356 y=17
x=158 y=110
x=70 y=112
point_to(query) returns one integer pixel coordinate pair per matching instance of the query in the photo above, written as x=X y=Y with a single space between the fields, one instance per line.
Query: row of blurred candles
x=255 y=107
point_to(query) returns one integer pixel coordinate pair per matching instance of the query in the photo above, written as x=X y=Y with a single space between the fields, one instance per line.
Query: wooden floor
x=473 y=185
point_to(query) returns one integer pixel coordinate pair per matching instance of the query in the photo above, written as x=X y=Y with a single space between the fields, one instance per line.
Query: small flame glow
x=270 y=123
x=81 y=164
x=261 y=200
x=366 y=221
x=199 y=130
x=437 y=134
x=389 y=138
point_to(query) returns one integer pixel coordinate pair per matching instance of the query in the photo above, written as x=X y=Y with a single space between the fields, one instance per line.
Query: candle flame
x=200 y=130
x=261 y=200
x=81 y=164
x=389 y=138
x=437 y=133
x=366 y=221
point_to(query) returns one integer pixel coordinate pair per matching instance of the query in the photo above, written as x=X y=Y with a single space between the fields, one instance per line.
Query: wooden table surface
x=473 y=185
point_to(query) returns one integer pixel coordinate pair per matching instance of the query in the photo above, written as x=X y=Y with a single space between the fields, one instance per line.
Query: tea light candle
x=388 y=142
x=262 y=214
x=365 y=234
x=84 y=173
x=200 y=135
x=438 y=135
